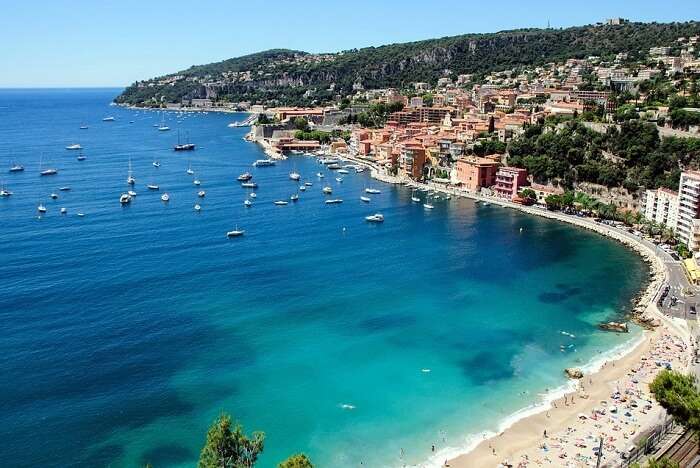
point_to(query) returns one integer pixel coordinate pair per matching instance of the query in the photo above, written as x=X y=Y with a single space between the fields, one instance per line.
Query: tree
x=263 y=119
x=677 y=394
x=492 y=125
x=227 y=448
x=296 y=461
x=300 y=123
x=553 y=202
x=529 y=194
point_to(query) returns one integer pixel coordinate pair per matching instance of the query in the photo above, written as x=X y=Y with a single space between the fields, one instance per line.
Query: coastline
x=521 y=433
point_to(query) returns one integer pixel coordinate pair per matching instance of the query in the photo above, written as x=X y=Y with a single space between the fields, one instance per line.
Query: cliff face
x=293 y=77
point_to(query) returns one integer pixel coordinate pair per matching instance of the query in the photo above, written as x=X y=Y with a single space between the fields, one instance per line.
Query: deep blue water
x=126 y=331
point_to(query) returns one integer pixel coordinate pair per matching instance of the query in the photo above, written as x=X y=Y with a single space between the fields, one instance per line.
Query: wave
x=472 y=440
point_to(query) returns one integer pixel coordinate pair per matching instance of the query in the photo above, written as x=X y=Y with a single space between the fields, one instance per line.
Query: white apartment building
x=688 y=225
x=661 y=206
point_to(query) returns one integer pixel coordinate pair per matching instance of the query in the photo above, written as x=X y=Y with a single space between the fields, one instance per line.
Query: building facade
x=688 y=208
x=661 y=206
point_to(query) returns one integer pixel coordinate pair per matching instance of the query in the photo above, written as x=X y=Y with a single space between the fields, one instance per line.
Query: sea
x=126 y=331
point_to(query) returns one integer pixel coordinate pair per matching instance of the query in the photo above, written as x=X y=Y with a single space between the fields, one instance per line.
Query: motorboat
x=48 y=172
x=4 y=192
x=80 y=215
x=201 y=194
x=319 y=175
x=83 y=127
x=372 y=191
x=264 y=163
x=124 y=199
x=281 y=203
x=131 y=193
x=248 y=203
x=327 y=190
x=334 y=201
x=249 y=185
x=302 y=188
x=156 y=164
x=64 y=210
x=338 y=179
x=308 y=184
x=64 y=189
x=428 y=206
x=328 y=161
x=197 y=207
x=197 y=182
x=74 y=147
x=165 y=197
x=246 y=176
x=359 y=169
x=365 y=199
x=415 y=199
x=235 y=233
x=108 y=119
x=375 y=218
x=253 y=195
x=294 y=197
x=54 y=196
x=334 y=167
x=294 y=176
x=343 y=171
x=153 y=187
x=41 y=208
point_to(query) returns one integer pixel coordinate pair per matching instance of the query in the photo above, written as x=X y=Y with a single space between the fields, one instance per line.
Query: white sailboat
x=414 y=198
x=189 y=170
x=163 y=127
x=130 y=178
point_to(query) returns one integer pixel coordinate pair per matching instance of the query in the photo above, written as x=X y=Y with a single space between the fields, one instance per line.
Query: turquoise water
x=127 y=331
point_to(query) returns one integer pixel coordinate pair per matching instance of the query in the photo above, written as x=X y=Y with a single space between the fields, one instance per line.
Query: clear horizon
x=111 y=46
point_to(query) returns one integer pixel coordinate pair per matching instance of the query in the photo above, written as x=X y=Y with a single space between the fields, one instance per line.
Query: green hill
x=293 y=77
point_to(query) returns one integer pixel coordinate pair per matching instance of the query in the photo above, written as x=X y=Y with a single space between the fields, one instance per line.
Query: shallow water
x=128 y=330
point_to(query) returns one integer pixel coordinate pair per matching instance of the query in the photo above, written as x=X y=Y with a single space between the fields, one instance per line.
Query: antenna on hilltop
x=548 y=24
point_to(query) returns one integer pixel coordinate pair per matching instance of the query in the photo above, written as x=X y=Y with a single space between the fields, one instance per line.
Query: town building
x=661 y=206
x=474 y=173
x=687 y=226
x=509 y=180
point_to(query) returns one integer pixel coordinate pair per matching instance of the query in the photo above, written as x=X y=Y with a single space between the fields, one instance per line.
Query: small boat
x=359 y=169
x=334 y=167
x=372 y=190
x=294 y=197
x=162 y=127
x=338 y=179
x=48 y=172
x=448 y=197
x=246 y=176
x=197 y=207
x=334 y=201
x=294 y=176
x=308 y=184
x=201 y=194
x=4 y=192
x=486 y=203
x=365 y=199
x=197 y=182
x=131 y=193
x=54 y=196
x=415 y=199
x=249 y=185
x=41 y=208
x=80 y=215
x=108 y=119
x=343 y=171
x=124 y=199
x=328 y=161
x=253 y=195
x=16 y=168
x=74 y=147
x=165 y=197
x=264 y=163
x=184 y=146
x=281 y=203
x=64 y=211
x=235 y=233
x=248 y=203
x=64 y=189
x=327 y=190
x=428 y=206
x=375 y=218
x=156 y=164
x=83 y=127
x=319 y=175
x=130 y=178
x=153 y=187
x=302 y=188
x=189 y=170
x=81 y=157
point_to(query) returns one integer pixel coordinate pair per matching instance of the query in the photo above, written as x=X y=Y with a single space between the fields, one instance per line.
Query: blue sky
x=113 y=43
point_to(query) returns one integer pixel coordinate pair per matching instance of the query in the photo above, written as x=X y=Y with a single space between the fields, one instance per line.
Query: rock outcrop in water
x=619 y=327
x=573 y=373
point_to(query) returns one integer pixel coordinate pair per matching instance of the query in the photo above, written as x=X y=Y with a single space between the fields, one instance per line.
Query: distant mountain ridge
x=294 y=77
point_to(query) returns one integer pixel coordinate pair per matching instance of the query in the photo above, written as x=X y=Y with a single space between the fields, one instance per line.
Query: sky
x=93 y=43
